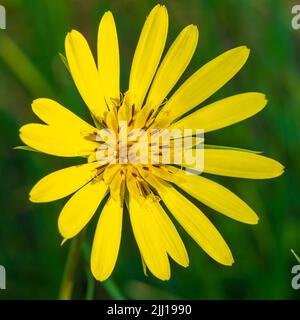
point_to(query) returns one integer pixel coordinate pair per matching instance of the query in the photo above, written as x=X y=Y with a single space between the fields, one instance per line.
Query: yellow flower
x=143 y=188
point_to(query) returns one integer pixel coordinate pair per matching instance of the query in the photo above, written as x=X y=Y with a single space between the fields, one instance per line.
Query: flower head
x=118 y=147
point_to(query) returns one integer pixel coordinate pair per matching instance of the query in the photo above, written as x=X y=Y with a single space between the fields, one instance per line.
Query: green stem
x=112 y=288
x=90 y=288
x=23 y=68
x=67 y=283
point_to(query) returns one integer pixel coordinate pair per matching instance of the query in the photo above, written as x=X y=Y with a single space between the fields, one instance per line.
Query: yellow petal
x=240 y=164
x=204 y=83
x=80 y=208
x=168 y=173
x=224 y=112
x=117 y=187
x=107 y=240
x=84 y=72
x=56 y=141
x=173 y=65
x=218 y=198
x=149 y=239
x=172 y=240
x=108 y=59
x=62 y=183
x=195 y=223
x=148 y=53
x=54 y=114
x=110 y=172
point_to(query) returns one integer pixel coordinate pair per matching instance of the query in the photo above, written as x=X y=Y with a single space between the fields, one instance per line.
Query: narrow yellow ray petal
x=110 y=172
x=204 y=83
x=173 y=65
x=224 y=112
x=108 y=59
x=79 y=210
x=172 y=240
x=169 y=174
x=107 y=240
x=218 y=198
x=56 y=141
x=144 y=115
x=196 y=224
x=84 y=72
x=240 y=164
x=62 y=183
x=54 y=114
x=148 y=53
x=149 y=239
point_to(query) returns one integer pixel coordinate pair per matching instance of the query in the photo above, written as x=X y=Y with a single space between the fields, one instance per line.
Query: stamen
x=104 y=123
x=132 y=110
x=149 y=115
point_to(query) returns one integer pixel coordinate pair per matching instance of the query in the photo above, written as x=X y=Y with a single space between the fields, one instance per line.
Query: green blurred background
x=30 y=67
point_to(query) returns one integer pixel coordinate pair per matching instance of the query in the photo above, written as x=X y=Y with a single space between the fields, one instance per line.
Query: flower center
x=133 y=137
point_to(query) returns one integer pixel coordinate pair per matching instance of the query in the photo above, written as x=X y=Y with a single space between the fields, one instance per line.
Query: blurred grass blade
x=144 y=267
x=64 y=61
x=23 y=68
x=90 y=288
x=113 y=289
x=68 y=280
x=296 y=256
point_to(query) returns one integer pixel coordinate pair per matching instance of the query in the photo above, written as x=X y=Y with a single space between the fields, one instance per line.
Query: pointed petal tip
x=162 y=8
x=185 y=264
x=165 y=277
x=265 y=100
x=35 y=101
x=35 y=198
x=101 y=278
x=244 y=50
x=253 y=221
x=229 y=261
x=71 y=34
x=99 y=274
x=107 y=13
x=251 y=218
x=192 y=26
x=156 y=8
x=22 y=128
x=195 y=27
x=278 y=171
x=68 y=37
x=260 y=95
x=183 y=261
x=32 y=199
x=230 y=264
x=225 y=258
